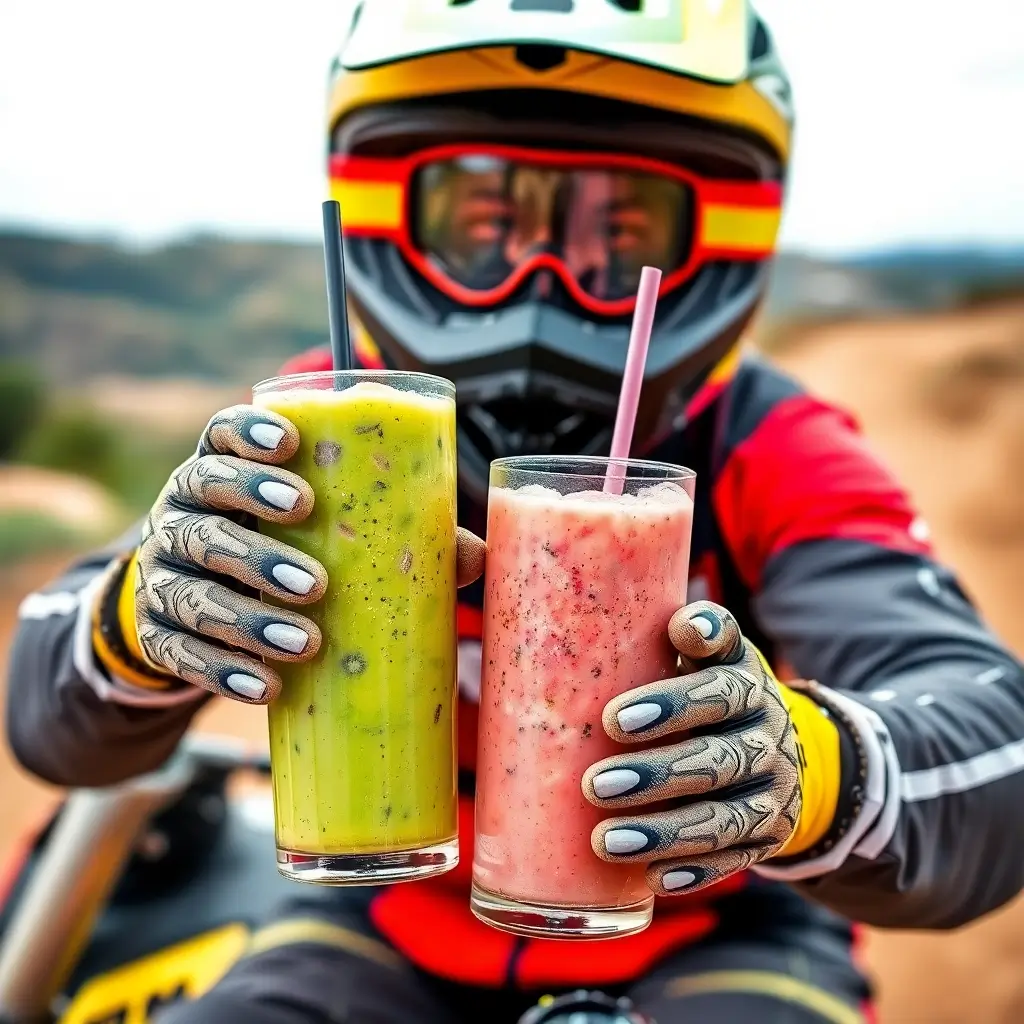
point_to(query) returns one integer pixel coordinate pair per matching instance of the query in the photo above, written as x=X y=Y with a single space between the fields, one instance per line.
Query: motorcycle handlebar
x=223 y=753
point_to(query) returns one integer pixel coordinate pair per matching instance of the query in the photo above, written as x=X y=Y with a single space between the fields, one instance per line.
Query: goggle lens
x=479 y=218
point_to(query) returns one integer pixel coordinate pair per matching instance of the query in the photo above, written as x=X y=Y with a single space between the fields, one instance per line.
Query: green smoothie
x=362 y=738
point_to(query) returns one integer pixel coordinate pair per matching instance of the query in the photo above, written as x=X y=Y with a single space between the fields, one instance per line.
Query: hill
x=229 y=310
x=204 y=307
x=887 y=282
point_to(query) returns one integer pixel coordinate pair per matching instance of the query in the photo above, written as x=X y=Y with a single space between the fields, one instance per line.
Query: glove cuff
x=818 y=748
x=114 y=636
x=842 y=777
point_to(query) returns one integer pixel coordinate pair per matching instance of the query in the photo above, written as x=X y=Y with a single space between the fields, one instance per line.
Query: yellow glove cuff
x=126 y=608
x=128 y=664
x=818 y=760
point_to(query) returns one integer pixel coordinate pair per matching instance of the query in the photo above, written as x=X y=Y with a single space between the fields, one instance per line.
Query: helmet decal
x=774 y=88
x=705 y=39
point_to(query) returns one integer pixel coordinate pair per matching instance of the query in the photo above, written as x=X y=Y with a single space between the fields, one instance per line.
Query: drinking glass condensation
x=580 y=587
x=362 y=738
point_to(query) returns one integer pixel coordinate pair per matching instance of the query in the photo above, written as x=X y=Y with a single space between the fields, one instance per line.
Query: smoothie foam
x=362 y=738
x=580 y=590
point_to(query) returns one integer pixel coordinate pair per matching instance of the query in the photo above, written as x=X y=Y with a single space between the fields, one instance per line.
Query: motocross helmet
x=505 y=169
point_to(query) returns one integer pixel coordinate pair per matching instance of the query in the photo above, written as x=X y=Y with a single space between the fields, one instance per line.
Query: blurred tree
x=22 y=400
x=74 y=440
x=134 y=464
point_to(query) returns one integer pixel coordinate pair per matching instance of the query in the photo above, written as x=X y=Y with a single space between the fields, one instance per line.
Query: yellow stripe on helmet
x=369 y=204
x=739 y=228
x=476 y=70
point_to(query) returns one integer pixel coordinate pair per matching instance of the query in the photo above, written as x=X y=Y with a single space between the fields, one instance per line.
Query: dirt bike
x=138 y=896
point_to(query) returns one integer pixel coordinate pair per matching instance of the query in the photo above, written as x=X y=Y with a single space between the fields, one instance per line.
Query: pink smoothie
x=579 y=593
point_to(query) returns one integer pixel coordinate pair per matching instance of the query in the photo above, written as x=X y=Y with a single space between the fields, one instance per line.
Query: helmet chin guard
x=535 y=377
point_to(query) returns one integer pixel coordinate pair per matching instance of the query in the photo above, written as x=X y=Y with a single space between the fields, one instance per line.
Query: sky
x=149 y=120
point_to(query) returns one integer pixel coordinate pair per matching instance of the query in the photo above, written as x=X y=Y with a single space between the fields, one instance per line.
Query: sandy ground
x=944 y=400
x=180 y=407
x=78 y=503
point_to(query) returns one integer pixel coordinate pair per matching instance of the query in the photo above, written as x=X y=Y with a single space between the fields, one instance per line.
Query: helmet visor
x=482 y=219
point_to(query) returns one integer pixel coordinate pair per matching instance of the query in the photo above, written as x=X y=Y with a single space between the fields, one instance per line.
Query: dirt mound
x=79 y=504
x=166 y=405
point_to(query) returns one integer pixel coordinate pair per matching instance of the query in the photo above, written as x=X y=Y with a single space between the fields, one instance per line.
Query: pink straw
x=633 y=376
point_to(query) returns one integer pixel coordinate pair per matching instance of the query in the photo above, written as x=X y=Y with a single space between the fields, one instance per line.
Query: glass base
x=368 y=868
x=555 y=922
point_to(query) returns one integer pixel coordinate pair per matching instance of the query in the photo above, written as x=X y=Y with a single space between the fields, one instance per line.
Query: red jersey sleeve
x=806 y=473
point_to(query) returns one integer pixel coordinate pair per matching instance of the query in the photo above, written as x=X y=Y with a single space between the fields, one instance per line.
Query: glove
x=185 y=607
x=756 y=774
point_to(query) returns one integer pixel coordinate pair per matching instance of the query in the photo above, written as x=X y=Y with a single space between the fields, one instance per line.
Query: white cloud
x=153 y=118
x=908 y=115
x=147 y=120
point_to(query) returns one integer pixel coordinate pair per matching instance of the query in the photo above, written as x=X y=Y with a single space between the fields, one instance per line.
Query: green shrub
x=21 y=405
x=24 y=534
x=131 y=463
x=74 y=440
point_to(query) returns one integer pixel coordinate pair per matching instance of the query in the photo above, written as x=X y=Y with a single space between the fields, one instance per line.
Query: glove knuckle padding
x=470 y=554
x=197 y=482
x=696 y=649
x=250 y=433
x=182 y=599
x=203 y=664
x=228 y=483
x=202 y=538
x=698 y=699
x=212 y=543
x=168 y=648
x=720 y=693
x=206 y=607
x=153 y=581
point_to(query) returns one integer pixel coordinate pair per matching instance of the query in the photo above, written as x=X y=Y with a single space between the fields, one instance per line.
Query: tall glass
x=580 y=587
x=362 y=738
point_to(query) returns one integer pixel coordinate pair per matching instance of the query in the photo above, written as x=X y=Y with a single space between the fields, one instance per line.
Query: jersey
x=803 y=533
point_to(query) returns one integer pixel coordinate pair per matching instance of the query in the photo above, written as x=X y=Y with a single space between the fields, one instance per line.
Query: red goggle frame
x=732 y=220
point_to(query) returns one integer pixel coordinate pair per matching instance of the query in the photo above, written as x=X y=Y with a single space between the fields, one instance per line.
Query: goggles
x=477 y=220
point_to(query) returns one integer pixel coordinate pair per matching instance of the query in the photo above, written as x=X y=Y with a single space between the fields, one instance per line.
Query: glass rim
x=313 y=375
x=522 y=463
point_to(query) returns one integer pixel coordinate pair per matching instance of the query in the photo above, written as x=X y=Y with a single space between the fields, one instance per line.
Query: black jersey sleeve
x=849 y=591
x=69 y=720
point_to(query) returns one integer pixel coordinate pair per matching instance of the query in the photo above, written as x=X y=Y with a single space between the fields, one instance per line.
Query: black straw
x=334 y=265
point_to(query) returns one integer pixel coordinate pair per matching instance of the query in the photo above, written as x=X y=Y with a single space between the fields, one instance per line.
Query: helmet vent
x=557 y=6
x=760 y=45
x=540 y=57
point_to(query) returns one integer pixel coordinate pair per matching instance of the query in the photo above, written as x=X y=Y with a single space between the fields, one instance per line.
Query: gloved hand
x=187 y=606
x=750 y=767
